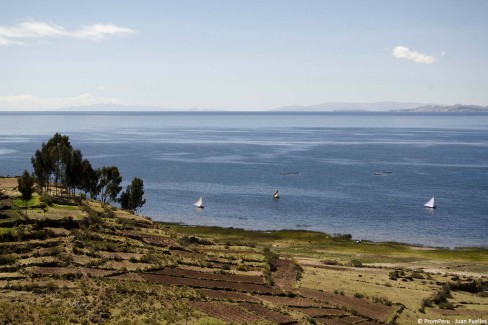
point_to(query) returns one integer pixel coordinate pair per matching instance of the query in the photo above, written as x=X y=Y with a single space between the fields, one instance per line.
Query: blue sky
x=241 y=55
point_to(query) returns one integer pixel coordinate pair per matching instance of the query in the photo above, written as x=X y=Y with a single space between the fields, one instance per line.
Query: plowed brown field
x=268 y=314
x=210 y=276
x=369 y=309
x=227 y=295
x=211 y=284
x=285 y=275
x=227 y=312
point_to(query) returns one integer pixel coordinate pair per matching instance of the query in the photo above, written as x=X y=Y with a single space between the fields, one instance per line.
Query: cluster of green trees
x=132 y=199
x=58 y=163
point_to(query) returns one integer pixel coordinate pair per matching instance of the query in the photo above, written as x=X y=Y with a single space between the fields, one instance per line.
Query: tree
x=109 y=183
x=131 y=199
x=73 y=173
x=40 y=169
x=26 y=183
x=59 y=150
x=89 y=179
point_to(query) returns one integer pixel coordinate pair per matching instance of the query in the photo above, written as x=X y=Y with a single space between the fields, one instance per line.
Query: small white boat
x=430 y=203
x=199 y=203
x=276 y=195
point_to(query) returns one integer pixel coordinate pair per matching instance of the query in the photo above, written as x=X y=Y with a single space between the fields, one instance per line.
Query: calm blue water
x=236 y=161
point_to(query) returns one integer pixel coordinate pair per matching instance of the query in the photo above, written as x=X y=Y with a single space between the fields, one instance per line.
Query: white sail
x=276 y=195
x=199 y=203
x=430 y=203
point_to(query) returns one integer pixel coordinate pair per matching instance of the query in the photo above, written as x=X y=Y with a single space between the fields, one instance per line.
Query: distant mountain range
x=382 y=107
x=341 y=106
x=452 y=108
x=325 y=107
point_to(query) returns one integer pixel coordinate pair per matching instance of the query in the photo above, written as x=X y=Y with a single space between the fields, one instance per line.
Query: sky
x=241 y=54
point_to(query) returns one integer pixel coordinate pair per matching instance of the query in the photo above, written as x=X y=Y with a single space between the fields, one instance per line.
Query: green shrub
x=356 y=263
x=109 y=212
x=72 y=275
x=7 y=259
x=93 y=218
x=65 y=258
x=268 y=277
x=441 y=296
x=270 y=258
x=393 y=275
x=473 y=286
x=226 y=267
x=382 y=300
x=298 y=270
x=154 y=258
x=47 y=199
x=9 y=236
x=51 y=286
x=446 y=305
x=187 y=240
x=111 y=247
x=417 y=275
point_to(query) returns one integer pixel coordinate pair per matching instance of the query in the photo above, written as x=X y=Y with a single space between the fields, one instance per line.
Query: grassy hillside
x=76 y=261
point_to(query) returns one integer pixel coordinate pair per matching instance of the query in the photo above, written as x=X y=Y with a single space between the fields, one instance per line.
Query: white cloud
x=32 y=29
x=443 y=53
x=5 y=41
x=35 y=103
x=402 y=52
x=98 y=32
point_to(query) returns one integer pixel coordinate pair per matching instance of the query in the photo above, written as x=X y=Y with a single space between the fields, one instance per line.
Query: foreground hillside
x=76 y=261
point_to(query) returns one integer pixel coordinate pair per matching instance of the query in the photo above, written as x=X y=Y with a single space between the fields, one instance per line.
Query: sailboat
x=430 y=203
x=199 y=203
x=276 y=195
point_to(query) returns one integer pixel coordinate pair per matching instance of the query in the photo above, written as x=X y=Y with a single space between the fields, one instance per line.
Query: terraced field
x=107 y=266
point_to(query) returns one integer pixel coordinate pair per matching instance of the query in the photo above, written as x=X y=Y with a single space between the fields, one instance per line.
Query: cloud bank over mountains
x=36 y=103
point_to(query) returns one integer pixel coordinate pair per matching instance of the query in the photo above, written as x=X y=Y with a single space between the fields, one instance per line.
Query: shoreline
x=309 y=236
x=267 y=231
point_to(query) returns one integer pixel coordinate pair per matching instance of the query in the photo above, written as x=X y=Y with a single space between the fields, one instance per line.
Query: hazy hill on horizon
x=344 y=106
x=447 y=108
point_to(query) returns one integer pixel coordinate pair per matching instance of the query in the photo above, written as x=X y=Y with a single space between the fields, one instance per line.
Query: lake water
x=322 y=164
